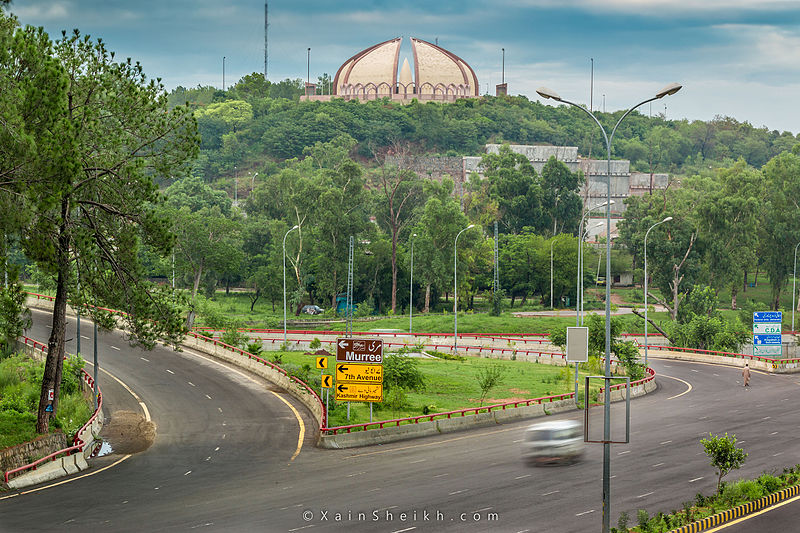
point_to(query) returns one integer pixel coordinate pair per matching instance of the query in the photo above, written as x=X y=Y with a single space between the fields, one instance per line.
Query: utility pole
x=223 y=73
x=266 y=47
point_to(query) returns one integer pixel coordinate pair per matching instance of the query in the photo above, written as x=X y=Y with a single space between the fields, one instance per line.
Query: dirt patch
x=128 y=432
x=519 y=391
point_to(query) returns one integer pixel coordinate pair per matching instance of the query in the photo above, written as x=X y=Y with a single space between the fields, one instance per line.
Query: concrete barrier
x=61 y=467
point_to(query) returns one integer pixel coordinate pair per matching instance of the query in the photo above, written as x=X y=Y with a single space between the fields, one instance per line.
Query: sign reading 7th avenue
x=355 y=373
x=350 y=350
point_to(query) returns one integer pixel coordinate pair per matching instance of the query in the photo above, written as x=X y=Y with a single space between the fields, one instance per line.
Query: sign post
x=577 y=350
x=767 y=333
x=359 y=371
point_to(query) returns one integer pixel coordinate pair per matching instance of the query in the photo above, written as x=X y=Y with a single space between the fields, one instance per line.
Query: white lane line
x=695 y=370
x=192 y=384
x=209 y=397
x=523 y=477
x=482 y=510
x=219 y=409
x=170 y=371
x=115 y=348
x=665 y=442
x=355 y=474
x=657 y=465
x=82 y=336
x=208 y=458
x=457 y=492
x=585 y=512
x=404 y=530
x=187 y=473
x=766 y=418
x=623 y=453
x=645 y=495
x=301 y=527
x=216 y=449
x=441 y=475
x=551 y=492
x=774 y=433
x=418 y=461
x=777 y=454
x=695 y=479
x=688 y=385
x=516 y=441
x=145 y=360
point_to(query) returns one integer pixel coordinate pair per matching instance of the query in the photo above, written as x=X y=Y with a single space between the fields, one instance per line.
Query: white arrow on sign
x=343 y=344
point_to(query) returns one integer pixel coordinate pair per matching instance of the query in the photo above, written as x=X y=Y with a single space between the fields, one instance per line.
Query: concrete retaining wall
x=28 y=452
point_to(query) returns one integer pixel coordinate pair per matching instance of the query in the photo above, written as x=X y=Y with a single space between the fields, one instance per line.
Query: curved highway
x=222 y=459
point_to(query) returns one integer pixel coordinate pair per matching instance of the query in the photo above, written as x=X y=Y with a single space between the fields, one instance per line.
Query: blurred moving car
x=557 y=441
x=311 y=309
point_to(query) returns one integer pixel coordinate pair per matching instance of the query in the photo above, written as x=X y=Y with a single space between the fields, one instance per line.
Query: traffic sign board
x=350 y=350
x=359 y=392
x=766 y=328
x=767 y=339
x=322 y=362
x=327 y=381
x=767 y=316
x=768 y=349
x=355 y=373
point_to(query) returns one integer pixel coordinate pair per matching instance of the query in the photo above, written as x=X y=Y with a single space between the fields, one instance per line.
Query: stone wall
x=435 y=167
x=26 y=453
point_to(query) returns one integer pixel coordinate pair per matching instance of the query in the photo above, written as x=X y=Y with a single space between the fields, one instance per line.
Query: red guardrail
x=471 y=410
x=78 y=444
x=733 y=355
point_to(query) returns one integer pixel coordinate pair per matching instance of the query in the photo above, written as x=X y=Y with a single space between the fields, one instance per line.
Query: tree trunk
x=744 y=287
x=195 y=286
x=394 y=268
x=734 y=293
x=427 y=307
x=54 y=363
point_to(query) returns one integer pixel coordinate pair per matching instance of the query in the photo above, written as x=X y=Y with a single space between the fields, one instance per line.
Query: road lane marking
x=192 y=384
x=187 y=473
x=209 y=397
x=127 y=388
x=406 y=529
x=82 y=336
x=645 y=495
x=418 y=461
x=458 y=492
x=656 y=465
x=688 y=385
x=551 y=492
x=441 y=475
x=145 y=360
x=695 y=479
x=623 y=453
x=665 y=442
x=585 y=512
x=170 y=371
x=523 y=477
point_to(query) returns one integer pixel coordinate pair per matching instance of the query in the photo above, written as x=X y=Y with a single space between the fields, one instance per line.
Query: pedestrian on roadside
x=746 y=375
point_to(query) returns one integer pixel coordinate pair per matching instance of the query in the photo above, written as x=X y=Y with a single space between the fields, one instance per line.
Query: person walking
x=746 y=375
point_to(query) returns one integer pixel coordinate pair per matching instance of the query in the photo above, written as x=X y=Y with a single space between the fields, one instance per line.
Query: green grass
x=20 y=386
x=450 y=386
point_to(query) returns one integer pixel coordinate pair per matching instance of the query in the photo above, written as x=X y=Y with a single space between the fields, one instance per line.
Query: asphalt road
x=224 y=463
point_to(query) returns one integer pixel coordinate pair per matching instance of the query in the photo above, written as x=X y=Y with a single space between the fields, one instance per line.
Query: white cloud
x=46 y=12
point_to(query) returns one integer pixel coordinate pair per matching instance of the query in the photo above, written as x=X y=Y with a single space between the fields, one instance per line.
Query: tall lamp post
x=670 y=89
x=579 y=283
x=551 y=271
x=411 y=288
x=455 y=287
x=794 y=283
x=308 y=66
x=284 y=280
x=645 y=284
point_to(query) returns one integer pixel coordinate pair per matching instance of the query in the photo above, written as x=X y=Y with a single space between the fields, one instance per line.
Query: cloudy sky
x=739 y=58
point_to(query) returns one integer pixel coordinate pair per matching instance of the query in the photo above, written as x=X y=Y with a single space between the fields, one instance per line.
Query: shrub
x=769 y=483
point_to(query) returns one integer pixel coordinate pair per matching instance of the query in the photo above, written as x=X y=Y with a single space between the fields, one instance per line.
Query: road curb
x=739 y=511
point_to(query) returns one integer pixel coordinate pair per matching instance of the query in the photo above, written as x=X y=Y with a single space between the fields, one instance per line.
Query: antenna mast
x=266 y=46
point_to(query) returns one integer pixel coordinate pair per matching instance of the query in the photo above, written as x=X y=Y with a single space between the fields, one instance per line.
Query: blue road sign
x=767 y=316
x=767 y=339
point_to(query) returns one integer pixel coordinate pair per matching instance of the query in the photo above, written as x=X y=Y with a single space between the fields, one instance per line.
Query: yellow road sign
x=327 y=381
x=322 y=362
x=359 y=392
x=353 y=373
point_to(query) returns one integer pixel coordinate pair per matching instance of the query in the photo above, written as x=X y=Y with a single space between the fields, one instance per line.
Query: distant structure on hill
x=624 y=183
x=374 y=73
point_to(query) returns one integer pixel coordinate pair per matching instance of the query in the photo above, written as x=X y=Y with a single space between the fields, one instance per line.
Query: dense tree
x=96 y=205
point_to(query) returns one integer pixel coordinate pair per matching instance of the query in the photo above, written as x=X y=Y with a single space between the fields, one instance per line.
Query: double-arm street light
x=411 y=288
x=670 y=89
x=645 y=284
x=284 y=281
x=455 y=287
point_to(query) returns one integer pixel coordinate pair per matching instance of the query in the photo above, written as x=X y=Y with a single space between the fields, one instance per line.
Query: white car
x=557 y=441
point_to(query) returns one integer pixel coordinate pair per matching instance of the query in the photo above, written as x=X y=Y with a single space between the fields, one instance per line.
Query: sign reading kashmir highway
x=359 y=350
x=355 y=373
x=359 y=392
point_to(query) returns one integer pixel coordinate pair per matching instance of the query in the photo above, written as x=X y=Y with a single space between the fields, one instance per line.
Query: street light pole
x=551 y=272
x=308 y=66
x=794 y=283
x=411 y=288
x=455 y=288
x=284 y=281
x=548 y=93
x=645 y=284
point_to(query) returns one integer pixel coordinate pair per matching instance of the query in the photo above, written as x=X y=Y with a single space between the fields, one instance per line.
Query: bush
x=769 y=483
